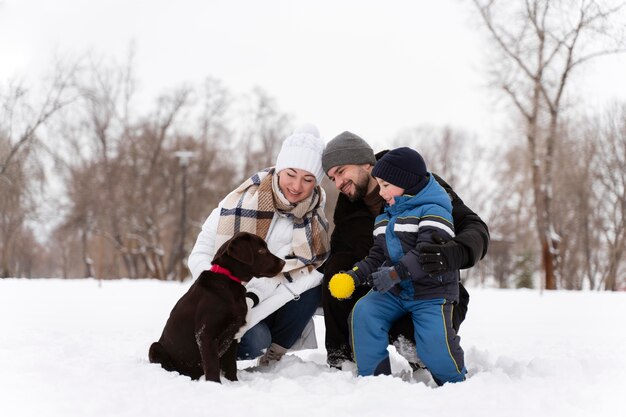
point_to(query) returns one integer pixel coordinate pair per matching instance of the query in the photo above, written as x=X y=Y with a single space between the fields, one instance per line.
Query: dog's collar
x=219 y=270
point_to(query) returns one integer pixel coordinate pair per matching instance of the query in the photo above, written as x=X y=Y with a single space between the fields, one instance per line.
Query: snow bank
x=79 y=348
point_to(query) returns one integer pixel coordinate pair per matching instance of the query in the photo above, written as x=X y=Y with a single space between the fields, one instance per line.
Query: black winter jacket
x=352 y=237
x=351 y=241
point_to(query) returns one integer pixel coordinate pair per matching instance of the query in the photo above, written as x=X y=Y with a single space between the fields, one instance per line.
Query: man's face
x=351 y=180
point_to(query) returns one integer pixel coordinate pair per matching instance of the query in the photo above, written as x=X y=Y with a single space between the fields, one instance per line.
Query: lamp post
x=183 y=162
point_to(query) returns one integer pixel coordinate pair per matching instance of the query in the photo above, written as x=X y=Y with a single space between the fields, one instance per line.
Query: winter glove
x=386 y=277
x=343 y=284
x=258 y=289
x=442 y=256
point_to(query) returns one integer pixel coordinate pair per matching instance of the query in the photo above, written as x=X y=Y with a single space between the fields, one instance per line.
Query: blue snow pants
x=437 y=343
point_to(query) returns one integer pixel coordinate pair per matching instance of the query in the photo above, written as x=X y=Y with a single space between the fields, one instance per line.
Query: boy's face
x=389 y=191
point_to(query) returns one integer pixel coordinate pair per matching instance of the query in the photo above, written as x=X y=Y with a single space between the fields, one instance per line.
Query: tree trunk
x=86 y=259
x=547 y=260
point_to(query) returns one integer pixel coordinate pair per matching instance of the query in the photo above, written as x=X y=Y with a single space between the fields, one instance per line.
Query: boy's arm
x=429 y=228
x=372 y=261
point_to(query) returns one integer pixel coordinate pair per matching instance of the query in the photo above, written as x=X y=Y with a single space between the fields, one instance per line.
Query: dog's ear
x=240 y=248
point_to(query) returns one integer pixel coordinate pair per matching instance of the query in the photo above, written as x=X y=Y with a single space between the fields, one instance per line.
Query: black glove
x=442 y=256
x=386 y=277
x=357 y=281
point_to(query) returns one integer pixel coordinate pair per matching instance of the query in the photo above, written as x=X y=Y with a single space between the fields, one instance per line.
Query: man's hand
x=442 y=256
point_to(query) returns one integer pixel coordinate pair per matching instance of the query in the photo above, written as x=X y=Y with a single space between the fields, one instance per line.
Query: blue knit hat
x=404 y=168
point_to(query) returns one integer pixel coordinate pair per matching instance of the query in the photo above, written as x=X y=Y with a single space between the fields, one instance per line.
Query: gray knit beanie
x=347 y=149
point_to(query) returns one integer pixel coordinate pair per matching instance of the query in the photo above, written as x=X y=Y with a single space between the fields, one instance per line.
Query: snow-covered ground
x=79 y=348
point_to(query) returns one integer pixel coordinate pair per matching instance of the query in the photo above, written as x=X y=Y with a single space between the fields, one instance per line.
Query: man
x=348 y=161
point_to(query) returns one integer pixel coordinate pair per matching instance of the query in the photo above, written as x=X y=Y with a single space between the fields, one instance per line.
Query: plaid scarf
x=251 y=208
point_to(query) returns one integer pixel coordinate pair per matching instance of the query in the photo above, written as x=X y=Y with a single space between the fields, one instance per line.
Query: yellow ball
x=341 y=286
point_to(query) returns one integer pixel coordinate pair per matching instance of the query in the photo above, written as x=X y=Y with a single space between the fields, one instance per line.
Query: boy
x=417 y=208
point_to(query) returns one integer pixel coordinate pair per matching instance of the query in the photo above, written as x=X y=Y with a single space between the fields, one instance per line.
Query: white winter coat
x=273 y=292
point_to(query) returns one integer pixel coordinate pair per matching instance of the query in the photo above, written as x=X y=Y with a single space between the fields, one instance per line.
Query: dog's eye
x=262 y=251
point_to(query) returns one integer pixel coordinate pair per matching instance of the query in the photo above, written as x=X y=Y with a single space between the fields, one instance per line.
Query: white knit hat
x=303 y=150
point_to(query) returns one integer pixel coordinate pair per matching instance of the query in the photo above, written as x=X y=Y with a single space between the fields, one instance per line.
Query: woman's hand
x=259 y=289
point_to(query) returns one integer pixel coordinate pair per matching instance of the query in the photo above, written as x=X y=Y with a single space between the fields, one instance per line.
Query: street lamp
x=183 y=162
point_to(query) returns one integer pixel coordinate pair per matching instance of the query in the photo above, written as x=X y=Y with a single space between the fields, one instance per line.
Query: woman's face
x=296 y=184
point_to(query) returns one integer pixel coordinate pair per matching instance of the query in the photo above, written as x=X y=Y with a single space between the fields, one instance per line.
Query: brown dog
x=198 y=336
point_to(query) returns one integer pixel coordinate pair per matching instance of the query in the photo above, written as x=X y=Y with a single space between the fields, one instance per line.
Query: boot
x=272 y=355
x=337 y=360
x=416 y=366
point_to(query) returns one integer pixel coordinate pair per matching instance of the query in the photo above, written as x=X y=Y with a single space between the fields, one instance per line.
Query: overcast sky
x=372 y=67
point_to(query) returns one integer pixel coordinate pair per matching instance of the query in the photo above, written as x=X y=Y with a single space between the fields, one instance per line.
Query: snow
x=79 y=348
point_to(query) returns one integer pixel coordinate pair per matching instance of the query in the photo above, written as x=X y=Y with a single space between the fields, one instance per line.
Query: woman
x=285 y=206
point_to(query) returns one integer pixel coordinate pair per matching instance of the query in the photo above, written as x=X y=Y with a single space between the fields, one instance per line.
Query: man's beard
x=360 y=187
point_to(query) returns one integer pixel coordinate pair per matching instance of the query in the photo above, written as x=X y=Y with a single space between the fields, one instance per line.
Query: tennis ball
x=341 y=286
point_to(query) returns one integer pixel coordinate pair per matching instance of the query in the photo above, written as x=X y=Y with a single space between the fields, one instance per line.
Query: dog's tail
x=157 y=354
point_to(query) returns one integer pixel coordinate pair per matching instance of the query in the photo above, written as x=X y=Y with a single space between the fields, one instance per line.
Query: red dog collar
x=219 y=270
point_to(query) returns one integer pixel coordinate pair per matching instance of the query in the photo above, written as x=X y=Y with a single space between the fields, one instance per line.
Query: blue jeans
x=283 y=327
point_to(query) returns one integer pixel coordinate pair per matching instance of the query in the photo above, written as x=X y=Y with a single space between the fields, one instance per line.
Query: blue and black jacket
x=397 y=232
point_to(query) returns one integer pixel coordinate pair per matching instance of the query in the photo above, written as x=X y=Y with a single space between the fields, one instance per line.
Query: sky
x=75 y=348
x=372 y=67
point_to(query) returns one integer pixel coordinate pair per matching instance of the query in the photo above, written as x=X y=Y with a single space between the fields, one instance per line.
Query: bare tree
x=23 y=115
x=102 y=115
x=575 y=207
x=203 y=174
x=122 y=210
x=509 y=218
x=540 y=44
x=453 y=154
x=265 y=129
x=125 y=206
x=610 y=172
